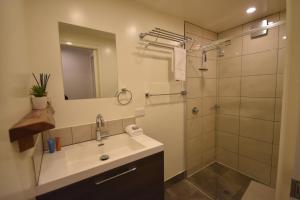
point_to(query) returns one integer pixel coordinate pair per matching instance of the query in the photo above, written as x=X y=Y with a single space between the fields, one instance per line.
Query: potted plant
x=39 y=92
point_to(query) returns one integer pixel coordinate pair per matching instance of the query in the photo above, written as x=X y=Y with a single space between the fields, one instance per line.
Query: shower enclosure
x=233 y=106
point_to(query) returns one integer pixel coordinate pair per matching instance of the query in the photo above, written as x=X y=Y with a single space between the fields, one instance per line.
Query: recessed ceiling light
x=251 y=10
x=284 y=37
x=69 y=43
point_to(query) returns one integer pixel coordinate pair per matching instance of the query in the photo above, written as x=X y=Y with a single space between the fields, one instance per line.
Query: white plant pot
x=39 y=103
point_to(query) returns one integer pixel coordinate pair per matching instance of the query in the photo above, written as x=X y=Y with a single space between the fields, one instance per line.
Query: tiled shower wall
x=201 y=94
x=250 y=78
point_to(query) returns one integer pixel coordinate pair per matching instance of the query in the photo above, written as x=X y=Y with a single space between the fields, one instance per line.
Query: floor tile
x=183 y=190
x=220 y=183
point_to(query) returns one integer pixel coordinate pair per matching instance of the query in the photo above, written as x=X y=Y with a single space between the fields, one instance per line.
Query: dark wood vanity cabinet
x=140 y=180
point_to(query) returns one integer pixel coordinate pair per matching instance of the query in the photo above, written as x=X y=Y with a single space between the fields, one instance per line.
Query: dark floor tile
x=183 y=190
x=218 y=168
x=220 y=182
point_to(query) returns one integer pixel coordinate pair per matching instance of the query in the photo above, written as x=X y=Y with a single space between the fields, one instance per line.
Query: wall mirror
x=89 y=62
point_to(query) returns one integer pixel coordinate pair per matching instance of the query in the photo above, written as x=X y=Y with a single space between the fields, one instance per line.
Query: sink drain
x=104 y=157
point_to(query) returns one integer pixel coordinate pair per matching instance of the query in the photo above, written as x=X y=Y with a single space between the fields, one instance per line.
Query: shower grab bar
x=183 y=92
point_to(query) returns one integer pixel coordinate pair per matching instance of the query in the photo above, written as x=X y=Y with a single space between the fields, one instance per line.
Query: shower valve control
x=195 y=110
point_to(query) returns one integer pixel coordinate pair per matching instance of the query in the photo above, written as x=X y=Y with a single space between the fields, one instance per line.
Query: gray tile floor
x=214 y=182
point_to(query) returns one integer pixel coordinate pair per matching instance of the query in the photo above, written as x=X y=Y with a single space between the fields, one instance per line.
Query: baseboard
x=175 y=179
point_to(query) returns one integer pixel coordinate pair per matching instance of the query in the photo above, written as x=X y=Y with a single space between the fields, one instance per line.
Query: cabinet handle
x=116 y=176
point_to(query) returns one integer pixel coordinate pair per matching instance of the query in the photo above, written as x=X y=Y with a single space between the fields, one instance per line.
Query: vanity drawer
x=139 y=180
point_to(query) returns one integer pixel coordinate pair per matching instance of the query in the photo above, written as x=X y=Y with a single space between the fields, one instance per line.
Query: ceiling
x=216 y=15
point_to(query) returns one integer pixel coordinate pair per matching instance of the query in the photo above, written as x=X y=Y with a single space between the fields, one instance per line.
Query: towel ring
x=123 y=92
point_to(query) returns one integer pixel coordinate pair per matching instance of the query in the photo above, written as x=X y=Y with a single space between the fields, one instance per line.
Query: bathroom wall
x=16 y=169
x=289 y=151
x=250 y=79
x=138 y=70
x=201 y=94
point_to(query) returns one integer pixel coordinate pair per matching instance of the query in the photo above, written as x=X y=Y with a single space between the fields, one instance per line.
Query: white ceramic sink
x=80 y=161
x=89 y=152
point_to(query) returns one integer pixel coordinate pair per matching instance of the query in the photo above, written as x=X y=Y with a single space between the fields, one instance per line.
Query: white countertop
x=80 y=161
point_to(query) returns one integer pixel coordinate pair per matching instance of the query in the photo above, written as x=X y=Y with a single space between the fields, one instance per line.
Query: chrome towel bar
x=183 y=92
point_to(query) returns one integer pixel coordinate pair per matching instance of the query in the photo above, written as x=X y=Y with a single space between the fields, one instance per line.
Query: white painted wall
x=16 y=169
x=138 y=70
x=289 y=150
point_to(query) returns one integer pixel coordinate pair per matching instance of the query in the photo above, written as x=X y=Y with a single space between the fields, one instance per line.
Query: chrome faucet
x=99 y=123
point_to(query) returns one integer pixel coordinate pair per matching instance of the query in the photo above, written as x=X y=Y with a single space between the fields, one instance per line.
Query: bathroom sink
x=90 y=152
x=80 y=161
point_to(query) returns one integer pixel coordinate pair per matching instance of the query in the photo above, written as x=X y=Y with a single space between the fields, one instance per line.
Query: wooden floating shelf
x=26 y=129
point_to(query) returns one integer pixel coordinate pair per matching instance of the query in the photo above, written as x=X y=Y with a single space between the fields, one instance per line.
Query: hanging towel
x=179 y=64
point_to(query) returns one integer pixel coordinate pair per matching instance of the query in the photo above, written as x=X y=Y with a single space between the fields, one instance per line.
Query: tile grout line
x=197 y=188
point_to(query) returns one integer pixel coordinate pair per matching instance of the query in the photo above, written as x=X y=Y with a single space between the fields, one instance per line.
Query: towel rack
x=183 y=92
x=166 y=35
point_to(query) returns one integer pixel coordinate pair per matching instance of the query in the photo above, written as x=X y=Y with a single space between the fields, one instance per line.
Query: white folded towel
x=134 y=130
x=179 y=64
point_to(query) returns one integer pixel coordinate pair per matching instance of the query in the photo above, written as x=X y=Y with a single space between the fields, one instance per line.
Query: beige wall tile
x=209 y=87
x=37 y=156
x=282 y=36
x=279 y=86
x=257 y=129
x=128 y=121
x=194 y=163
x=273 y=177
x=209 y=123
x=209 y=156
x=192 y=29
x=259 y=63
x=234 y=49
x=259 y=151
x=228 y=123
x=93 y=131
x=269 y=42
x=230 y=32
x=278 y=106
x=275 y=155
x=209 y=34
x=281 y=61
x=65 y=135
x=191 y=103
x=229 y=105
x=227 y=141
x=255 y=169
x=194 y=127
x=45 y=137
x=194 y=87
x=114 y=127
x=209 y=141
x=259 y=86
x=230 y=87
x=193 y=64
x=260 y=108
x=211 y=65
x=194 y=146
x=82 y=133
x=227 y=158
x=276 y=133
x=209 y=105
x=230 y=67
